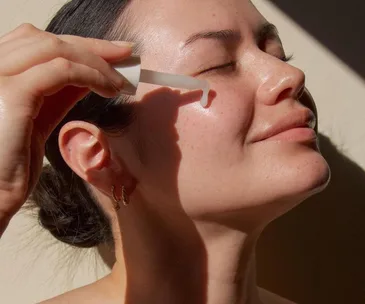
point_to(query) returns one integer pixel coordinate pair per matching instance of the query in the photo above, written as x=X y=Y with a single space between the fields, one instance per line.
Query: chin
x=308 y=174
x=306 y=182
x=291 y=175
x=300 y=172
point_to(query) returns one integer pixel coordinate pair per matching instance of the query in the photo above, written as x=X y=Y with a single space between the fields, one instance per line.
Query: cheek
x=212 y=144
x=219 y=130
x=186 y=147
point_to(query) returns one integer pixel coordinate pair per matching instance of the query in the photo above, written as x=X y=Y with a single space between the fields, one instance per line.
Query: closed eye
x=229 y=65
x=232 y=65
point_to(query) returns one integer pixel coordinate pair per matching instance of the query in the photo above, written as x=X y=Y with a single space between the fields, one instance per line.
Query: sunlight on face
x=254 y=145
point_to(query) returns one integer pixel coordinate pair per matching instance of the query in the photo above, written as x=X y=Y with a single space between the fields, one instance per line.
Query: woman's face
x=225 y=157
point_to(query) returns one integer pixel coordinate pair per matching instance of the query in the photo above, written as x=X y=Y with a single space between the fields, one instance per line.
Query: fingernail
x=123 y=43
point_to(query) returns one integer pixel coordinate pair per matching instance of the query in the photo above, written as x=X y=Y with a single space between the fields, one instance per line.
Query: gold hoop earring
x=124 y=199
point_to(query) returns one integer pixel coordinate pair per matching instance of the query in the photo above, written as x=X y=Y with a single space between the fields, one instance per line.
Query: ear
x=85 y=149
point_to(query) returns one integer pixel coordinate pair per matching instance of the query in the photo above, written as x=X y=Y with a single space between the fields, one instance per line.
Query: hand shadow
x=316 y=253
x=159 y=131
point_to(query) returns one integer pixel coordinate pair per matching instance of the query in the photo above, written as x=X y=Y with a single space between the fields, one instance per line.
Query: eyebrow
x=222 y=35
x=266 y=30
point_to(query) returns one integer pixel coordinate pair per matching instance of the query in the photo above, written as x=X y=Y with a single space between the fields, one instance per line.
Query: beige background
x=312 y=255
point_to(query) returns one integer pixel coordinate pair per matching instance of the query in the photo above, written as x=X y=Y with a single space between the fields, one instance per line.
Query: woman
x=181 y=192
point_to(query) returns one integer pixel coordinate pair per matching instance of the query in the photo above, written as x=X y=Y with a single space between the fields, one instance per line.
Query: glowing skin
x=212 y=164
x=203 y=182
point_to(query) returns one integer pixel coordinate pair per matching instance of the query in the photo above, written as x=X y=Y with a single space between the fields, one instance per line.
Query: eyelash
x=232 y=64
x=287 y=58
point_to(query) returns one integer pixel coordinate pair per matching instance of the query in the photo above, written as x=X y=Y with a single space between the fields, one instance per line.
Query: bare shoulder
x=268 y=297
x=91 y=294
x=80 y=295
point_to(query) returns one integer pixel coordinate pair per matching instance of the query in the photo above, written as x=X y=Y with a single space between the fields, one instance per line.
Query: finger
x=40 y=52
x=110 y=51
x=48 y=78
x=10 y=46
x=63 y=91
x=21 y=31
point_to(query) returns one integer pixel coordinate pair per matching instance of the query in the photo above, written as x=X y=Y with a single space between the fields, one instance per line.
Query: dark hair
x=66 y=206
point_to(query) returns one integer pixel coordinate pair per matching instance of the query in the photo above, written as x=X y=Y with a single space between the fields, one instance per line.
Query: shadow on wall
x=315 y=254
x=337 y=24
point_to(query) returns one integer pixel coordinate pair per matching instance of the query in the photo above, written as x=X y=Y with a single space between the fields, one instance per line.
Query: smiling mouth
x=298 y=127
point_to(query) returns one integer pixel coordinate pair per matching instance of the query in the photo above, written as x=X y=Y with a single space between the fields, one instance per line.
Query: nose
x=279 y=81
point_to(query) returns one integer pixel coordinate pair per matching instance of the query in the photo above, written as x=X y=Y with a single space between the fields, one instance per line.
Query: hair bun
x=68 y=211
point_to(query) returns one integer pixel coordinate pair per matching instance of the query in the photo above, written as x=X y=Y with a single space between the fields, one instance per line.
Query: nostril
x=284 y=95
x=291 y=93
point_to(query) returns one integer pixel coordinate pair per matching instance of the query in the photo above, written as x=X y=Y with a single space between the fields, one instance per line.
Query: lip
x=297 y=126
x=302 y=134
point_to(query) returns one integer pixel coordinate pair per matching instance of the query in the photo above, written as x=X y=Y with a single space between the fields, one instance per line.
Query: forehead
x=164 y=25
x=185 y=16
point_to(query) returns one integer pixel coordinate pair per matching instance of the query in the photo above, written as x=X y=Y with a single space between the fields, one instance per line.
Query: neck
x=183 y=261
x=231 y=275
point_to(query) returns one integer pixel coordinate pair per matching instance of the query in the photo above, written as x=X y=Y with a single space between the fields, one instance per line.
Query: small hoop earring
x=124 y=199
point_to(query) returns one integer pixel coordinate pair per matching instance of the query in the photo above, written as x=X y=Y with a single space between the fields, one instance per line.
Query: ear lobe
x=84 y=148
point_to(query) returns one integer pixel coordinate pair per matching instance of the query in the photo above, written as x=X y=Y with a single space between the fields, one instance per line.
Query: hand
x=42 y=76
